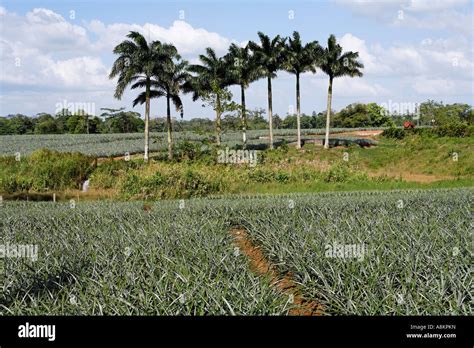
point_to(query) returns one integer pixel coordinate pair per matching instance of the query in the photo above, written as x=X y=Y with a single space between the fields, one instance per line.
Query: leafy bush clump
x=451 y=129
x=44 y=170
x=337 y=173
x=454 y=129
x=394 y=133
x=177 y=184
x=260 y=176
x=105 y=175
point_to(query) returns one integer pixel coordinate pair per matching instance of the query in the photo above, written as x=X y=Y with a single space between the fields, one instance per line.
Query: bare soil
x=285 y=284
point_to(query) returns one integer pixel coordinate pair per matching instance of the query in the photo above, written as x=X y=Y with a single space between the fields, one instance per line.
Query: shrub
x=105 y=175
x=282 y=177
x=454 y=129
x=260 y=176
x=192 y=183
x=394 y=133
x=131 y=185
x=337 y=173
x=44 y=170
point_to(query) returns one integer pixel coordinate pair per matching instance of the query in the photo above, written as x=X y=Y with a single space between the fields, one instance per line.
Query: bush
x=337 y=173
x=192 y=184
x=394 y=133
x=105 y=175
x=454 y=129
x=282 y=177
x=44 y=170
x=260 y=176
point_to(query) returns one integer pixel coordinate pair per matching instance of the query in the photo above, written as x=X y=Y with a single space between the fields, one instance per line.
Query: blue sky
x=57 y=51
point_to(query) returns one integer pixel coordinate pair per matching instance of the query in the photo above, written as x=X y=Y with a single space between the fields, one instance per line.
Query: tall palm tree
x=337 y=64
x=243 y=71
x=299 y=59
x=138 y=61
x=269 y=55
x=167 y=82
x=211 y=76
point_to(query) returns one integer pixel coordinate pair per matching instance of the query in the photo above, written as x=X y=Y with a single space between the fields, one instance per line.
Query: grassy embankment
x=415 y=162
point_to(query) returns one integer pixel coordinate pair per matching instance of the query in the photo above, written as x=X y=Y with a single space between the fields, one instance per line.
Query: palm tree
x=300 y=59
x=243 y=71
x=138 y=61
x=211 y=78
x=337 y=64
x=269 y=56
x=167 y=83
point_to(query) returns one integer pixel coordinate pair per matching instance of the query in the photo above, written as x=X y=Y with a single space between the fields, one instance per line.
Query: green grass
x=415 y=162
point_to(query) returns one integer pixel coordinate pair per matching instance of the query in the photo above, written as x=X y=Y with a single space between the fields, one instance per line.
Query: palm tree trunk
x=244 y=116
x=270 y=115
x=298 y=123
x=218 y=120
x=147 y=120
x=170 y=130
x=328 y=114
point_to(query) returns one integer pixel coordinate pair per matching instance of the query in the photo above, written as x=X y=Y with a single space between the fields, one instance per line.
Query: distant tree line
x=121 y=121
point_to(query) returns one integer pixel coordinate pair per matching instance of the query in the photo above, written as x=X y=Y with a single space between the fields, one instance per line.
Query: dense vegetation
x=195 y=170
x=179 y=257
x=44 y=170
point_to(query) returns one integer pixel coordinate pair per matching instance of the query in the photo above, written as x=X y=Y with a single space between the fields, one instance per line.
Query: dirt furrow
x=285 y=284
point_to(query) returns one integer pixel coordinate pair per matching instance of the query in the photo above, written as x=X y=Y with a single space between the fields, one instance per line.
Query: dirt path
x=369 y=134
x=411 y=177
x=286 y=285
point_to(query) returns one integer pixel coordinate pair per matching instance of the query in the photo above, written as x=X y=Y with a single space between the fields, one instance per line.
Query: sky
x=59 y=53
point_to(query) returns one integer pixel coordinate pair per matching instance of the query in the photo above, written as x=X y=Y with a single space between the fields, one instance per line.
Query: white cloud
x=438 y=87
x=444 y=20
x=86 y=72
x=349 y=42
x=42 y=48
x=430 y=67
x=425 y=14
x=188 y=40
x=351 y=87
x=378 y=7
x=45 y=31
x=431 y=5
